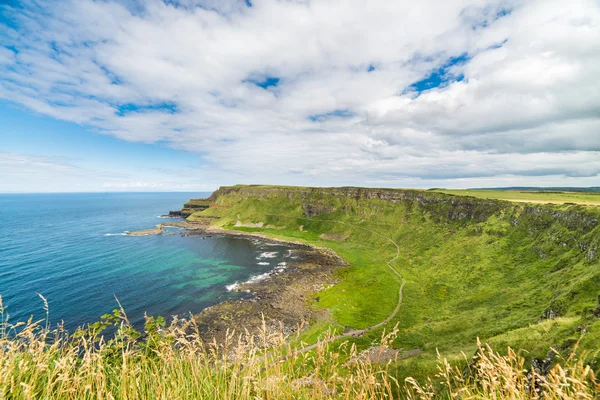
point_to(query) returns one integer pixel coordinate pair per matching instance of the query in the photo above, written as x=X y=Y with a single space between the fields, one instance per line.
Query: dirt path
x=354 y=332
x=360 y=332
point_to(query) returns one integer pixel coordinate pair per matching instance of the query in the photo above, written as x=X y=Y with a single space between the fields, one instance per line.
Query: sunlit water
x=70 y=248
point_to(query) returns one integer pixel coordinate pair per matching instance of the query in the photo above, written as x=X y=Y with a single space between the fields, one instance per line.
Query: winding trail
x=360 y=332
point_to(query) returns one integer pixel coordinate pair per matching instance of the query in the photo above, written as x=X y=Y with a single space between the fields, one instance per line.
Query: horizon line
x=366 y=187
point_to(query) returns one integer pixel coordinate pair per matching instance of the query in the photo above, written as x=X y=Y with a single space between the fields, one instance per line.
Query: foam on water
x=281 y=266
x=258 y=278
x=267 y=254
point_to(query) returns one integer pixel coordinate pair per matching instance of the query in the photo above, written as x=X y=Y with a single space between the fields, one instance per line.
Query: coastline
x=217 y=230
x=284 y=297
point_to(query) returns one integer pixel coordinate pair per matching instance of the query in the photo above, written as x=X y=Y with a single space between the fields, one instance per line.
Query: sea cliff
x=518 y=274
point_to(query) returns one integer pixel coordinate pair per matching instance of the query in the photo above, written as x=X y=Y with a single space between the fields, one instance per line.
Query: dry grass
x=490 y=375
x=173 y=362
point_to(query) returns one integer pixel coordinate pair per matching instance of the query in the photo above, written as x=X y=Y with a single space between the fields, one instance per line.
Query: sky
x=188 y=95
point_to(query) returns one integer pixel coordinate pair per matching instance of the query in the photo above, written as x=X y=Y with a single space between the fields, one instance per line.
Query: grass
x=495 y=276
x=510 y=275
x=490 y=375
x=195 y=204
x=540 y=197
x=173 y=362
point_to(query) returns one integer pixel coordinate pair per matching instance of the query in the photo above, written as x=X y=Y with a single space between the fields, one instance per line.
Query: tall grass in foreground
x=173 y=362
x=490 y=375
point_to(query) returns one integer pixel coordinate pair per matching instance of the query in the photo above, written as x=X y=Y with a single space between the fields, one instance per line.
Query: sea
x=72 y=249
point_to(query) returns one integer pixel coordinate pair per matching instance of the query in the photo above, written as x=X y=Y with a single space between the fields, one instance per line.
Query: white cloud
x=24 y=173
x=34 y=173
x=6 y=56
x=150 y=186
x=528 y=106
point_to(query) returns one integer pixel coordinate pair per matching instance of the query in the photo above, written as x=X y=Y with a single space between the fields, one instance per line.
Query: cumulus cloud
x=324 y=92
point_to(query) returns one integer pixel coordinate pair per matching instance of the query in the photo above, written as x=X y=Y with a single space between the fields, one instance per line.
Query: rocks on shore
x=191 y=229
x=144 y=232
x=282 y=298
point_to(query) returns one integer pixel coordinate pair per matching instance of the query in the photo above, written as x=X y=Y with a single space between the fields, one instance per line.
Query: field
x=538 y=197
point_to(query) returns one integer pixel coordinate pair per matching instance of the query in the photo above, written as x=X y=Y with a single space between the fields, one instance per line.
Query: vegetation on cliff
x=472 y=275
x=510 y=274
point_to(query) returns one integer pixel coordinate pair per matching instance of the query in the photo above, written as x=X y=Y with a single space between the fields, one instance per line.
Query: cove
x=71 y=249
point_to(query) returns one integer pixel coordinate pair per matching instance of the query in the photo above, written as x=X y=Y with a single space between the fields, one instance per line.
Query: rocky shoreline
x=285 y=298
x=145 y=232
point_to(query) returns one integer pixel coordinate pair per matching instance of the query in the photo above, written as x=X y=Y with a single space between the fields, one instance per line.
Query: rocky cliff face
x=566 y=226
x=517 y=261
x=451 y=207
x=314 y=202
x=575 y=219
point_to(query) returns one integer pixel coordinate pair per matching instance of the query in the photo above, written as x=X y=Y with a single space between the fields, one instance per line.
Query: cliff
x=439 y=207
x=526 y=275
x=317 y=201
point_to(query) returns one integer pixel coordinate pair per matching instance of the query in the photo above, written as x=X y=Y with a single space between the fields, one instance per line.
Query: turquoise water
x=70 y=248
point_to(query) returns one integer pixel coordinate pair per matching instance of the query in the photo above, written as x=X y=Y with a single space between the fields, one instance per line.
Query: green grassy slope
x=517 y=274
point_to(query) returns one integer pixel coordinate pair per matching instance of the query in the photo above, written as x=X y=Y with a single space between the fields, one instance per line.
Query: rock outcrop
x=144 y=232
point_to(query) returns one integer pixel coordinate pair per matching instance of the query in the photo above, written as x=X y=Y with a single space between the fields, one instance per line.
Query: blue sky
x=100 y=162
x=187 y=95
x=24 y=131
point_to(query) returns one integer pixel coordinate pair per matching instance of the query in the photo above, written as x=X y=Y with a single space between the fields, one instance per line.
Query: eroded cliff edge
x=475 y=268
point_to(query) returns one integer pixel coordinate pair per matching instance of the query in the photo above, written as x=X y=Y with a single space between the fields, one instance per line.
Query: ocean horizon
x=72 y=249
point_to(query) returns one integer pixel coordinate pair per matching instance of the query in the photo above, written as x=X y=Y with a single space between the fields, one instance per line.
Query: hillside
x=407 y=294
x=511 y=274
